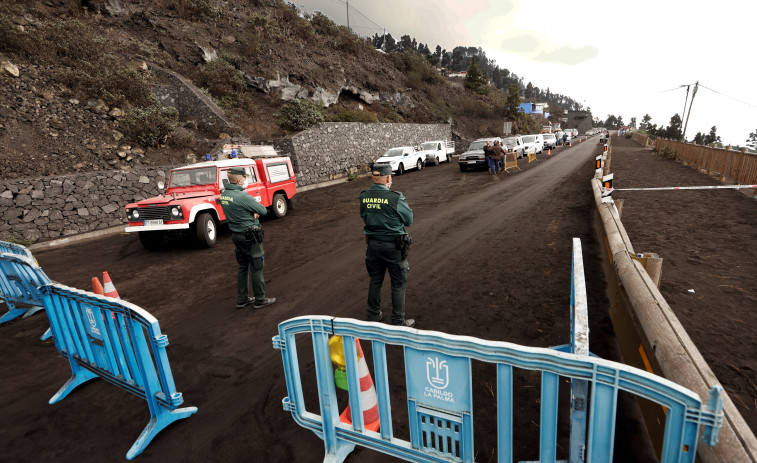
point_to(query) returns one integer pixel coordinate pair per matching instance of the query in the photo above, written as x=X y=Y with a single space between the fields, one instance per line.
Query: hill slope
x=83 y=100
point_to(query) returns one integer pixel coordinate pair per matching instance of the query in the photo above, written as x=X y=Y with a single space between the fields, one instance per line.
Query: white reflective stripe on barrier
x=706 y=187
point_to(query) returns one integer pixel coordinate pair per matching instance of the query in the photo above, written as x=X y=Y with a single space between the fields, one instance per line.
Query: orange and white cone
x=97 y=287
x=368 y=397
x=108 y=288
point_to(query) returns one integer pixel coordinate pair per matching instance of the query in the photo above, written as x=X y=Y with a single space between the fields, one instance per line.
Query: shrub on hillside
x=222 y=81
x=354 y=115
x=197 y=8
x=666 y=153
x=300 y=114
x=151 y=125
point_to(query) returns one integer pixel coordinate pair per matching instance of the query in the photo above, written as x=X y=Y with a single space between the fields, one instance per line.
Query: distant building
x=458 y=74
x=535 y=108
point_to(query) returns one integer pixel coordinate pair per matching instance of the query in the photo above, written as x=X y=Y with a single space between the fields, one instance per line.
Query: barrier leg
x=11 y=314
x=31 y=311
x=157 y=423
x=46 y=335
x=80 y=376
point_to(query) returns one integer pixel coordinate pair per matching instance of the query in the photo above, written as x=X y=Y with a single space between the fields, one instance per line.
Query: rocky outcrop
x=289 y=90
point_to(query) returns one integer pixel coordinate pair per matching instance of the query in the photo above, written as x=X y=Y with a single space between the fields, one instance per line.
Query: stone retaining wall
x=335 y=149
x=52 y=207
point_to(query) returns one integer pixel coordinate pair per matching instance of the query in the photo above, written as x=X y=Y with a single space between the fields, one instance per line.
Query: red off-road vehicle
x=189 y=202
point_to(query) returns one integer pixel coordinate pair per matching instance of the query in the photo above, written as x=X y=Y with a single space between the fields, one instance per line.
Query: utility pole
x=348 y=14
x=693 y=94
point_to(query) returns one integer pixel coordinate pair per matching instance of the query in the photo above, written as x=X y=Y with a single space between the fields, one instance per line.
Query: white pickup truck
x=438 y=151
x=402 y=158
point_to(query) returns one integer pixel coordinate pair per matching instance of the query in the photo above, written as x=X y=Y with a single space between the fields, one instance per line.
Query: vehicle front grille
x=154 y=212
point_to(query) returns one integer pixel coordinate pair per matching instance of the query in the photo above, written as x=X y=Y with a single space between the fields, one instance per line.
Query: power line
x=732 y=98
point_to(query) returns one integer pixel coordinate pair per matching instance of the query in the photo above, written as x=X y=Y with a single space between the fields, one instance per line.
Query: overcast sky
x=614 y=57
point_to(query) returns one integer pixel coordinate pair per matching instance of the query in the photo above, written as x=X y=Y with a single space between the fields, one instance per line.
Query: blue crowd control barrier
x=13 y=248
x=20 y=278
x=439 y=398
x=438 y=382
x=120 y=343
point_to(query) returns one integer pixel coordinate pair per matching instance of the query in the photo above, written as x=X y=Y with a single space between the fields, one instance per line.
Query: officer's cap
x=381 y=170
x=237 y=171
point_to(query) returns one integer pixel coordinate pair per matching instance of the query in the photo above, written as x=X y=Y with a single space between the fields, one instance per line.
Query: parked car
x=550 y=141
x=189 y=202
x=474 y=156
x=516 y=145
x=438 y=151
x=402 y=158
x=533 y=144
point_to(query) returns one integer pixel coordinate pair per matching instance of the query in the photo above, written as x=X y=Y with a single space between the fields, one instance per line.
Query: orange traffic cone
x=97 y=287
x=108 y=288
x=368 y=398
x=549 y=151
x=570 y=143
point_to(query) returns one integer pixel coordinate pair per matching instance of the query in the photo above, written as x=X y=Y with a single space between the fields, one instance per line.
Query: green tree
x=529 y=93
x=476 y=79
x=633 y=122
x=699 y=138
x=611 y=121
x=645 y=121
x=674 y=129
x=712 y=137
x=751 y=142
x=512 y=104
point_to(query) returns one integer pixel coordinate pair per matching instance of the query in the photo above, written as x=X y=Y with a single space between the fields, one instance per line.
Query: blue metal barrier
x=120 y=343
x=20 y=276
x=439 y=391
x=13 y=248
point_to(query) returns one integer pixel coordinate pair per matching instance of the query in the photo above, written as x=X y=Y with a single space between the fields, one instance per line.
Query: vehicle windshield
x=191 y=177
x=477 y=145
x=429 y=146
x=512 y=141
x=394 y=152
x=549 y=135
x=529 y=138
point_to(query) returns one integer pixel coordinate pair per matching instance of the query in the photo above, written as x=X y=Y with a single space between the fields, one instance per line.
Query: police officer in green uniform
x=386 y=214
x=242 y=212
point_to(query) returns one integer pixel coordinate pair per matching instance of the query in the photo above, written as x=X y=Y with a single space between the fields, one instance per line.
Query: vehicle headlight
x=175 y=211
x=135 y=213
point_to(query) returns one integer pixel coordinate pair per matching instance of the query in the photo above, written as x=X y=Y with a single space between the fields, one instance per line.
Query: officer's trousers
x=250 y=268
x=381 y=256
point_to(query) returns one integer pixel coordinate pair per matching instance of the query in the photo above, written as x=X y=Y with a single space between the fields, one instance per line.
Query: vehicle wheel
x=279 y=205
x=151 y=240
x=401 y=169
x=206 y=230
x=463 y=168
x=419 y=164
x=449 y=158
x=436 y=160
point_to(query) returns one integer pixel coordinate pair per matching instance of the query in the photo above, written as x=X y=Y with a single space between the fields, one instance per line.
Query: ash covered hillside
x=87 y=85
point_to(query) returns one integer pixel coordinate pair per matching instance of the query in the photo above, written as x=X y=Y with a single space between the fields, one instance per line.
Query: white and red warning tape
x=708 y=187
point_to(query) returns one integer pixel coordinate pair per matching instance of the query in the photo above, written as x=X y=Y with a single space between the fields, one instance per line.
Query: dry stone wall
x=53 y=207
x=335 y=149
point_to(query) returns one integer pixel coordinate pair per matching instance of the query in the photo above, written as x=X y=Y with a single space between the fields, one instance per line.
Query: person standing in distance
x=386 y=214
x=242 y=213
